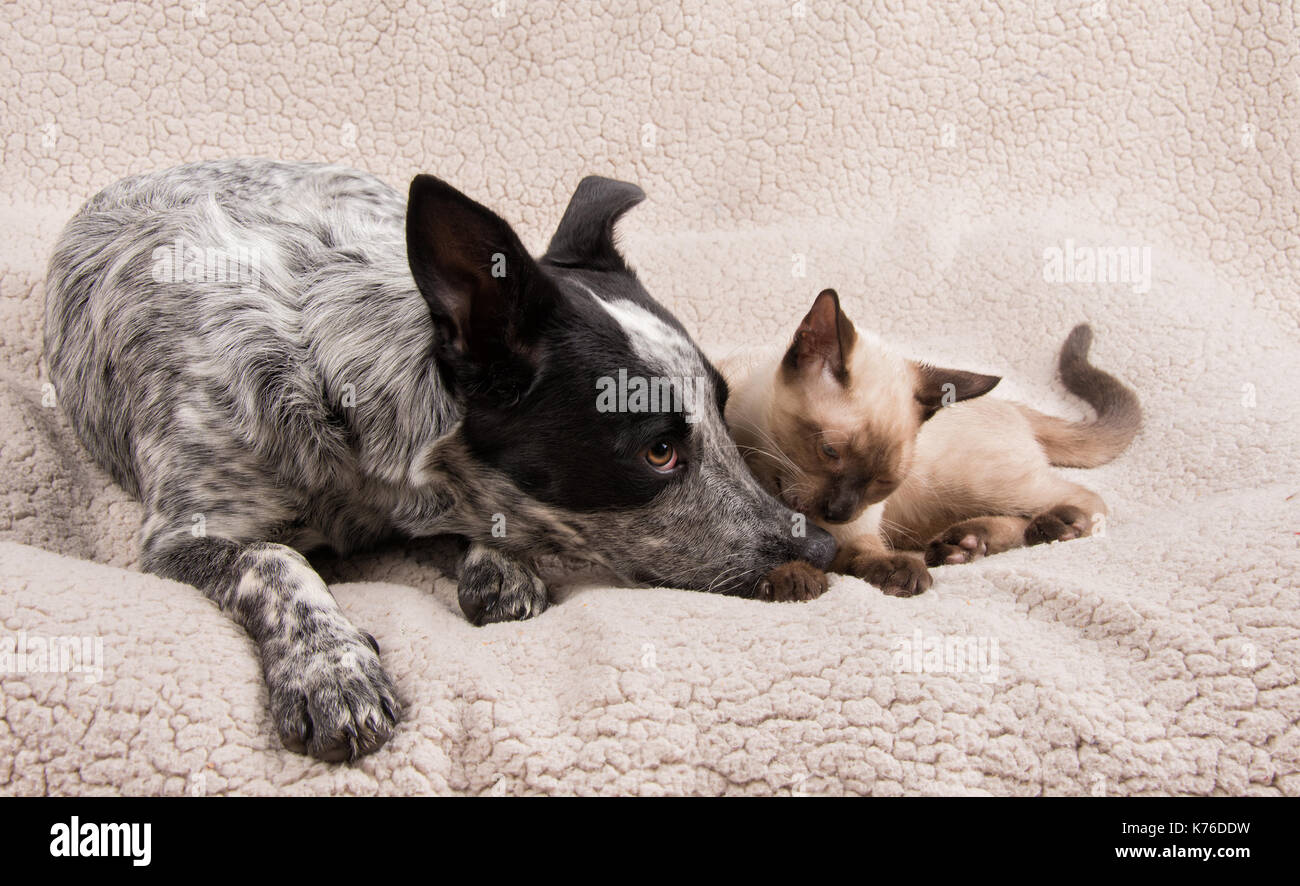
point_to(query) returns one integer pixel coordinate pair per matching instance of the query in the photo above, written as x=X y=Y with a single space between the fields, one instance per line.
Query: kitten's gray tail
x=1087 y=444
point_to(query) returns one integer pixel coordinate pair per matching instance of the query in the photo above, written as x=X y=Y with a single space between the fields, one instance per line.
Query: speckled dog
x=274 y=357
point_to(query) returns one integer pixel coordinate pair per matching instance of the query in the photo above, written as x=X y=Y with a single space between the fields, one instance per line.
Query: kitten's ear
x=485 y=293
x=585 y=236
x=824 y=340
x=937 y=387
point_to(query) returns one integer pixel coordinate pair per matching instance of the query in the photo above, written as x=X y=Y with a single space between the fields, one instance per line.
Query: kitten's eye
x=662 y=456
x=830 y=451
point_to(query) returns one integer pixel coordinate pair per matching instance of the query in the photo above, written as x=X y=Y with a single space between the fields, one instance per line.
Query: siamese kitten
x=903 y=464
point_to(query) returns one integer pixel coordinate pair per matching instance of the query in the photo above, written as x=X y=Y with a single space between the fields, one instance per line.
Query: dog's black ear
x=823 y=340
x=937 y=387
x=585 y=237
x=484 y=291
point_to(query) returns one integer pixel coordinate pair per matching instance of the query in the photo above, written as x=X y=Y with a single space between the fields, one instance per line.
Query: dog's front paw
x=1061 y=523
x=791 y=582
x=496 y=587
x=959 y=543
x=898 y=575
x=330 y=696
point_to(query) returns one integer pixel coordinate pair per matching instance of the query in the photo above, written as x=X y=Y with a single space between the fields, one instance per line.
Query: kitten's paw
x=1061 y=523
x=330 y=696
x=496 y=587
x=959 y=543
x=790 y=582
x=898 y=575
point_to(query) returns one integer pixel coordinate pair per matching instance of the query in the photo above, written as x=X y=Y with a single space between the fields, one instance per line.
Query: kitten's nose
x=835 y=513
x=842 y=504
x=839 y=510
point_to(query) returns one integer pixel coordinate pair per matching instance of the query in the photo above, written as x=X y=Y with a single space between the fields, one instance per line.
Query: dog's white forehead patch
x=654 y=341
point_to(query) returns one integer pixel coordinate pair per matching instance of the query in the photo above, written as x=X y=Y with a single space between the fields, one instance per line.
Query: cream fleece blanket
x=949 y=169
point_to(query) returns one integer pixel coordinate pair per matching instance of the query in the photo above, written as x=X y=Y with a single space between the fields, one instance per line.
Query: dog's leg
x=791 y=582
x=497 y=587
x=329 y=695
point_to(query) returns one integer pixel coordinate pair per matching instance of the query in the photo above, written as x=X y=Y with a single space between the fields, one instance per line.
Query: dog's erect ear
x=936 y=387
x=483 y=289
x=585 y=237
x=824 y=340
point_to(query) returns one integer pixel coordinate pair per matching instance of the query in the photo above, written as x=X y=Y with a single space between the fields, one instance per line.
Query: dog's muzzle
x=818 y=547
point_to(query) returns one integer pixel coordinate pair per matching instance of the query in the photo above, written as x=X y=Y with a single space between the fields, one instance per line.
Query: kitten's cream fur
x=894 y=457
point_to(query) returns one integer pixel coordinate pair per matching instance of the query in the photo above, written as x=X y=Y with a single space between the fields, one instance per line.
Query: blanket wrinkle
x=925 y=160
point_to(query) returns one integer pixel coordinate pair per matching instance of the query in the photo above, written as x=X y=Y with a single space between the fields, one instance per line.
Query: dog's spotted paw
x=330 y=697
x=791 y=582
x=1061 y=523
x=496 y=587
x=959 y=543
x=897 y=575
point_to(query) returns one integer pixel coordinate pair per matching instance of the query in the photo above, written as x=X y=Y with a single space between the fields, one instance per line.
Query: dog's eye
x=662 y=456
x=830 y=451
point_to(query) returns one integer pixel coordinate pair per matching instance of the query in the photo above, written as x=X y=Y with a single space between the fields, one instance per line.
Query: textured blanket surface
x=950 y=169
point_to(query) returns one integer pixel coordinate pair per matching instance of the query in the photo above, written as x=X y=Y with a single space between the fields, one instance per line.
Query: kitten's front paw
x=496 y=587
x=898 y=575
x=959 y=543
x=330 y=696
x=794 y=581
x=1061 y=523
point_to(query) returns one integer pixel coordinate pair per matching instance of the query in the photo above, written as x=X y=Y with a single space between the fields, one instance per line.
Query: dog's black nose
x=818 y=547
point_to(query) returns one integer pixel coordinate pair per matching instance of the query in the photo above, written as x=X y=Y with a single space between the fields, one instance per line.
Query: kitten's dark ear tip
x=827 y=295
x=824 y=337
